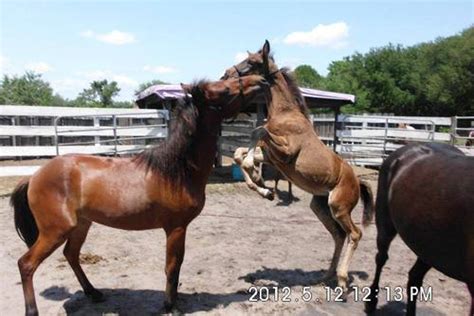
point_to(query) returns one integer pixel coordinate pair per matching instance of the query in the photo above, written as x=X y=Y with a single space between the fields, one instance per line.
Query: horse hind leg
x=71 y=252
x=386 y=232
x=319 y=205
x=29 y=262
x=341 y=204
x=415 y=280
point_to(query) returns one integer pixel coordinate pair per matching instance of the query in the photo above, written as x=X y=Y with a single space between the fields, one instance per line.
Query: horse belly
x=129 y=220
x=432 y=232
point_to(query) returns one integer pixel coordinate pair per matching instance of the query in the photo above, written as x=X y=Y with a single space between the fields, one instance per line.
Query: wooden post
x=336 y=115
x=454 y=123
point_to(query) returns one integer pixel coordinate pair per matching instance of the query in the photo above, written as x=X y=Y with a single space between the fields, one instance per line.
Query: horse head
x=225 y=98
x=259 y=63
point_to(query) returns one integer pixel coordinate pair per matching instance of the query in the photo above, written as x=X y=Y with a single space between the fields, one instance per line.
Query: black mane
x=173 y=158
x=295 y=90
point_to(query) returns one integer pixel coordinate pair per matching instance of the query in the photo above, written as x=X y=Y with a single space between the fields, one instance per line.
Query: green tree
x=148 y=84
x=308 y=77
x=428 y=79
x=29 y=89
x=99 y=94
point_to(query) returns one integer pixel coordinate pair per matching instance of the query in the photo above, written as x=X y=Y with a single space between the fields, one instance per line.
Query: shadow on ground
x=138 y=302
x=295 y=277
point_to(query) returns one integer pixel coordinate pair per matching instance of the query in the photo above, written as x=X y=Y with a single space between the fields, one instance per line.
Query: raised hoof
x=270 y=195
x=95 y=296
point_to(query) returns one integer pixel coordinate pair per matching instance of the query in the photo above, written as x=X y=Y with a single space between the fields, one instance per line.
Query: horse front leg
x=175 y=240
x=252 y=176
x=255 y=137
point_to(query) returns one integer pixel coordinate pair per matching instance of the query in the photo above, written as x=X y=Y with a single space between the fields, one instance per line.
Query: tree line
x=32 y=89
x=428 y=79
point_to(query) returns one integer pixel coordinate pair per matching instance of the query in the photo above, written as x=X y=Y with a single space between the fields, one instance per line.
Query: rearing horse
x=163 y=187
x=290 y=144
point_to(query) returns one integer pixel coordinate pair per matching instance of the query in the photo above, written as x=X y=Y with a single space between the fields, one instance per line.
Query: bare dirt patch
x=239 y=240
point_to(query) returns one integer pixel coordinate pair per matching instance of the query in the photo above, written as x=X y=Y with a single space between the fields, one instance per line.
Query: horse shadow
x=295 y=277
x=284 y=198
x=139 y=302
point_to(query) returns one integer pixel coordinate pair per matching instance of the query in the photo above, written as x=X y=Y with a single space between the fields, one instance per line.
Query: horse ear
x=265 y=56
x=266 y=48
x=186 y=87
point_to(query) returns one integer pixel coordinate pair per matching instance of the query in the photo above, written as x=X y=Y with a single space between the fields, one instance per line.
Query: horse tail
x=368 y=199
x=25 y=223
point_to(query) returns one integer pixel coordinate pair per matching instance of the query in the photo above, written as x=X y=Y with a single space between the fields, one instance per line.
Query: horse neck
x=282 y=100
x=204 y=153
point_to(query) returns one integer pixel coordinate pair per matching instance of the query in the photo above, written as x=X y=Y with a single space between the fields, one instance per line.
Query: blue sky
x=72 y=43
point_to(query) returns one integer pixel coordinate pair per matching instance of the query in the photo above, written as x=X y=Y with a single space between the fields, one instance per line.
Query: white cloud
x=160 y=69
x=115 y=37
x=39 y=67
x=240 y=56
x=323 y=35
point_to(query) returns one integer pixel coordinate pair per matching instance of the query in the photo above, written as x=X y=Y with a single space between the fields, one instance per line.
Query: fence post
x=96 y=138
x=56 y=138
x=454 y=126
x=336 y=115
x=114 y=121
x=385 y=137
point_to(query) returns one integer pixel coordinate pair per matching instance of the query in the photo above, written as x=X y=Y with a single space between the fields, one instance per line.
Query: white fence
x=37 y=131
x=32 y=131
x=367 y=139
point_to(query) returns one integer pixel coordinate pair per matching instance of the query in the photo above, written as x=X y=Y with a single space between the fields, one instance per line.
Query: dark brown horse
x=160 y=188
x=290 y=143
x=426 y=194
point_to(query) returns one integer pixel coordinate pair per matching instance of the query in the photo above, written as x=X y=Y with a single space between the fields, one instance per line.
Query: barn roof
x=313 y=97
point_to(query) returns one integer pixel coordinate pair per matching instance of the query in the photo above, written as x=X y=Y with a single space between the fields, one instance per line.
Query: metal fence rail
x=115 y=139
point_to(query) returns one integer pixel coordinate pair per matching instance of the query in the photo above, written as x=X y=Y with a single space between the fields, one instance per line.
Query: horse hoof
x=270 y=195
x=172 y=309
x=344 y=296
x=369 y=307
x=95 y=296
x=31 y=312
x=327 y=278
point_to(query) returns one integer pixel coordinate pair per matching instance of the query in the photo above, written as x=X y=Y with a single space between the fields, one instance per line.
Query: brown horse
x=426 y=194
x=290 y=144
x=163 y=187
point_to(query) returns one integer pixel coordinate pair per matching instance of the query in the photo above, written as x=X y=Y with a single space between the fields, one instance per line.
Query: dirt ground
x=240 y=240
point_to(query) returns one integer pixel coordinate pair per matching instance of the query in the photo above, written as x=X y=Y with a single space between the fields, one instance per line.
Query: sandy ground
x=238 y=241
